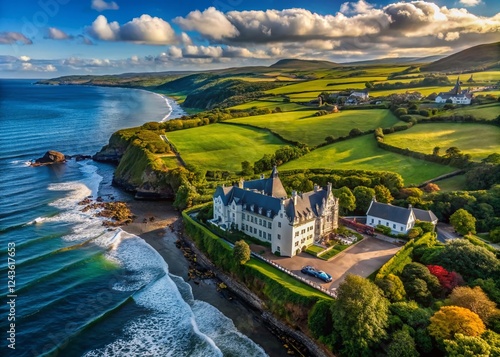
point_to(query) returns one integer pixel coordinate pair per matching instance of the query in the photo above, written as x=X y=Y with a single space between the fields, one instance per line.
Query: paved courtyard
x=362 y=259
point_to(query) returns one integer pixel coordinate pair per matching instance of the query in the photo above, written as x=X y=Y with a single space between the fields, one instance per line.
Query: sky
x=52 y=38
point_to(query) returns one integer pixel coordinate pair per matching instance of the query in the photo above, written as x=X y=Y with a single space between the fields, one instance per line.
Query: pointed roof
x=425 y=216
x=456 y=89
x=271 y=186
x=389 y=212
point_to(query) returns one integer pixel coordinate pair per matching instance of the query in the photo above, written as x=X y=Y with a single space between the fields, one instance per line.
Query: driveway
x=446 y=232
x=363 y=259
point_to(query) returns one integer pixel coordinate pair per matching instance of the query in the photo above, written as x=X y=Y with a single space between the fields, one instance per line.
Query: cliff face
x=138 y=170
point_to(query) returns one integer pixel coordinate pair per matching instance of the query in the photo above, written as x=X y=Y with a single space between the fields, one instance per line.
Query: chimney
x=262 y=176
x=240 y=184
x=409 y=206
x=294 y=197
x=329 y=188
x=316 y=188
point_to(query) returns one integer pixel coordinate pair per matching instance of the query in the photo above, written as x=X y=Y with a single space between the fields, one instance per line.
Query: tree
x=241 y=252
x=448 y=280
x=360 y=314
x=415 y=232
x=355 y=132
x=392 y=286
x=320 y=318
x=246 y=168
x=450 y=320
x=436 y=151
x=431 y=187
x=411 y=275
x=475 y=300
x=347 y=201
x=463 y=222
x=382 y=194
x=364 y=196
x=467 y=346
x=453 y=152
x=402 y=345
x=467 y=259
x=426 y=226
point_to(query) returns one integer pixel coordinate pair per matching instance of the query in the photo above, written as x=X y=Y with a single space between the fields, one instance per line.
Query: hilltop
x=479 y=57
x=292 y=63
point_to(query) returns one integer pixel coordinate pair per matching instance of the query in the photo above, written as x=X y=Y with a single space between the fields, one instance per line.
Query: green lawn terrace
x=305 y=127
x=478 y=140
x=222 y=146
x=362 y=153
x=486 y=111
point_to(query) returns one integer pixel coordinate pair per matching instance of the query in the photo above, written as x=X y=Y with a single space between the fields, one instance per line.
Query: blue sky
x=48 y=38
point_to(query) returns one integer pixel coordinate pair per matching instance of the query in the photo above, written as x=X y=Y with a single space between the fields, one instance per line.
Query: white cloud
x=144 y=29
x=56 y=34
x=452 y=36
x=24 y=58
x=101 y=5
x=211 y=23
x=10 y=38
x=470 y=3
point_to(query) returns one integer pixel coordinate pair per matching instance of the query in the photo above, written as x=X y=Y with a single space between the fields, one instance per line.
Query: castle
x=261 y=209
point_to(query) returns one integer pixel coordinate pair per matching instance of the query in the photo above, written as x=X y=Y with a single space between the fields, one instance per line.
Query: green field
x=487 y=111
x=425 y=91
x=223 y=147
x=170 y=161
x=270 y=104
x=303 y=126
x=362 y=153
x=455 y=183
x=478 y=140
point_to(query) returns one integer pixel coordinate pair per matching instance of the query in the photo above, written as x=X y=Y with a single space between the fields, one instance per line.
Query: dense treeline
x=430 y=299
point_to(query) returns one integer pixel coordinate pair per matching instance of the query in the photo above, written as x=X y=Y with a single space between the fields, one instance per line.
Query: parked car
x=309 y=270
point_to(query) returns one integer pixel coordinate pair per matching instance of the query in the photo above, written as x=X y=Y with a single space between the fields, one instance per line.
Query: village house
x=456 y=95
x=399 y=219
x=261 y=209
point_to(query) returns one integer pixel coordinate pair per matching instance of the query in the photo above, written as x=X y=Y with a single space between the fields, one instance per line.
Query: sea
x=70 y=287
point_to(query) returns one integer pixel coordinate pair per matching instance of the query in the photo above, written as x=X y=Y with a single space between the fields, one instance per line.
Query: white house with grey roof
x=456 y=95
x=261 y=209
x=399 y=219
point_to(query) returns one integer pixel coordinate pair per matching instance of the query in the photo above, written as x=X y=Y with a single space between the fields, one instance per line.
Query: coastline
x=163 y=239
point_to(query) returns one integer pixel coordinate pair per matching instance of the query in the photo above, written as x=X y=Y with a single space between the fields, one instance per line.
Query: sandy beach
x=161 y=233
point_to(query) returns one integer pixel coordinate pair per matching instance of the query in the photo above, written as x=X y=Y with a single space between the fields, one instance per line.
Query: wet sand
x=162 y=238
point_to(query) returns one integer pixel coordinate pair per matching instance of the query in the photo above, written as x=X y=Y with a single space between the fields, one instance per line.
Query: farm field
x=312 y=130
x=223 y=147
x=478 y=140
x=270 y=104
x=455 y=183
x=362 y=153
x=425 y=91
x=487 y=111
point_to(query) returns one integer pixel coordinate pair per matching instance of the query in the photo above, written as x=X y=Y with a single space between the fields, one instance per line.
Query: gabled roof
x=308 y=204
x=424 y=216
x=389 y=212
x=249 y=199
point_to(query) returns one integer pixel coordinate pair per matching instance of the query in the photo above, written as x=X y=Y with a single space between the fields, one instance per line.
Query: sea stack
x=50 y=157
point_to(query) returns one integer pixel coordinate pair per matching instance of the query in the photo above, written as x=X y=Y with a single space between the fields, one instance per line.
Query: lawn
x=223 y=147
x=303 y=126
x=284 y=279
x=425 y=91
x=455 y=183
x=487 y=111
x=362 y=153
x=478 y=140
x=171 y=161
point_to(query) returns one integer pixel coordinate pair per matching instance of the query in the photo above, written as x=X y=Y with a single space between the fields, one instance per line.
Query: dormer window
x=260 y=210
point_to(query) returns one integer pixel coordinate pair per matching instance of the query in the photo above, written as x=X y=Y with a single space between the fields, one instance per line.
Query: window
x=387 y=224
x=260 y=233
x=260 y=221
x=281 y=215
x=394 y=225
x=251 y=219
x=279 y=237
x=278 y=248
x=279 y=224
x=371 y=221
x=234 y=215
x=401 y=228
x=243 y=216
x=379 y=221
x=297 y=234
x=269 y=225
x=303 y=231
x=269 y=236
x=296 y=244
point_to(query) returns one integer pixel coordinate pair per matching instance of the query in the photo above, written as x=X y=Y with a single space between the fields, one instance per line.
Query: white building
x=399 y=219
x=261 y=209
x=456 y=95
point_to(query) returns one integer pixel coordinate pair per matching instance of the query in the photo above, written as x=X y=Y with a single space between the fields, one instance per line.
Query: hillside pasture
x=223 y=147
x=478 y=140
x=486 y=111
x=362 y=153
x=312 y=130
x=270 y=104
x=425 y=91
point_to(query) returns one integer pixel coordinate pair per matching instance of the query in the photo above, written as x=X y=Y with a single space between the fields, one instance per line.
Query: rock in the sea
x=50 y=157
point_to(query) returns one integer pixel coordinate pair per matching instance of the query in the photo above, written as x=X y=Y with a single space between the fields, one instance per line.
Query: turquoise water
x=81 y=290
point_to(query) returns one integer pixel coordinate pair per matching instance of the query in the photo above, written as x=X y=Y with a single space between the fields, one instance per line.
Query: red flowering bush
x=447 y=279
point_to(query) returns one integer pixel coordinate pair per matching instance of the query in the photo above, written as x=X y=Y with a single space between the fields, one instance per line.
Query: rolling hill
x=473 y=58
x=292 y=63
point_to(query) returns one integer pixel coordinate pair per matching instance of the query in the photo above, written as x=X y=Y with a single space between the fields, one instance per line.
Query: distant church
x=456 y=95
x=261 y=209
